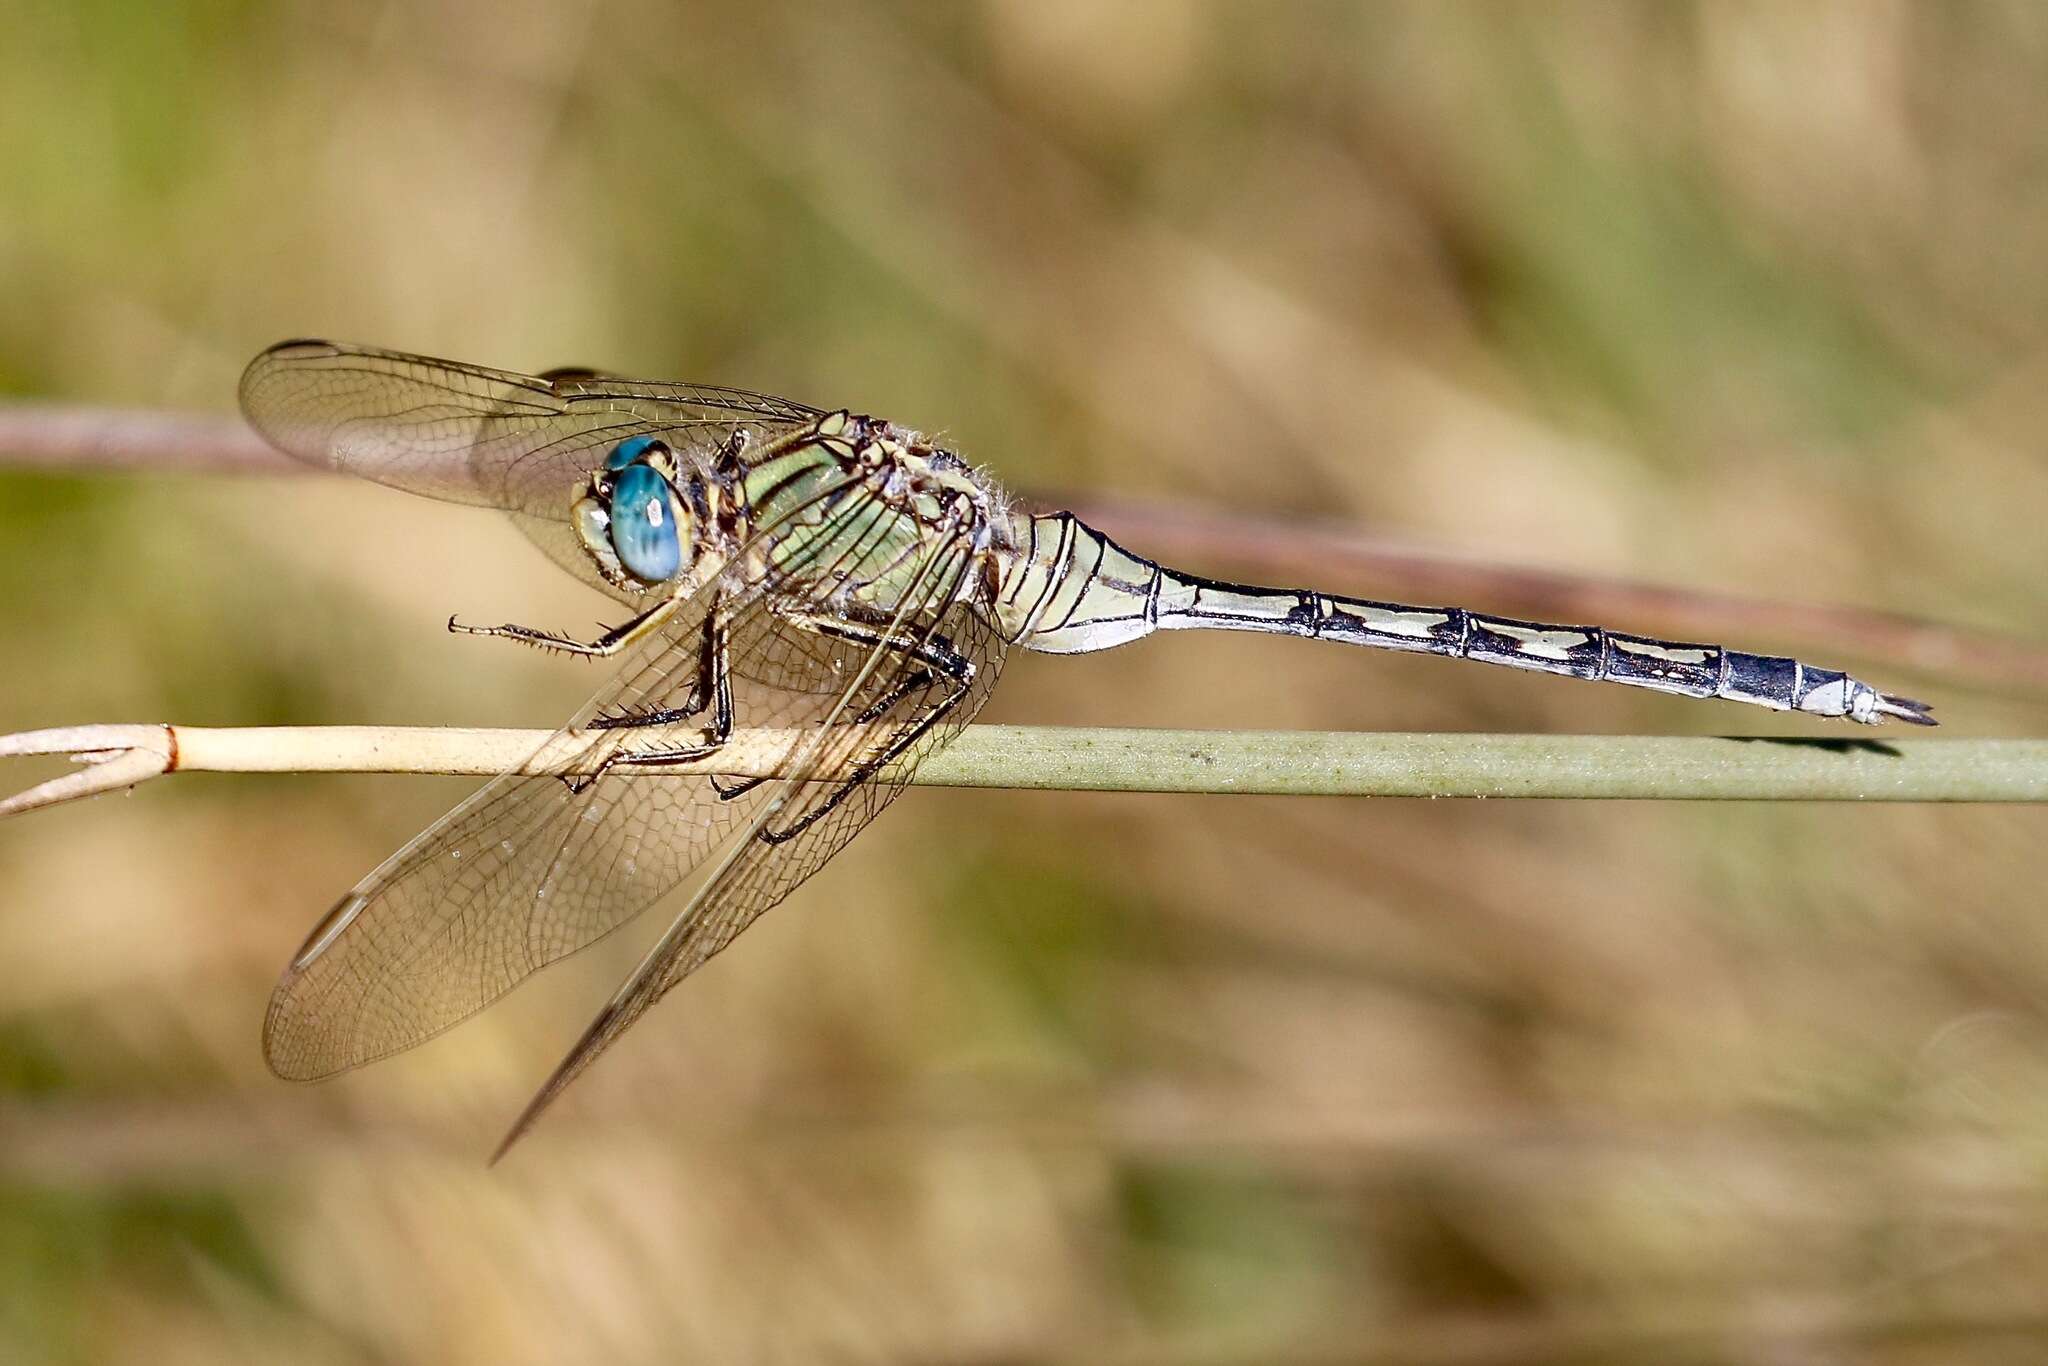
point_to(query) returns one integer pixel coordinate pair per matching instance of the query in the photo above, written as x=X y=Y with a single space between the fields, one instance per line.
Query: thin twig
x=1296 y=763
x=80 y=439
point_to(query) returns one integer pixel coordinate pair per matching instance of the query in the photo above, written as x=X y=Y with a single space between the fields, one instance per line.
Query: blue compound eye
x=643 y=525
x=629 y=450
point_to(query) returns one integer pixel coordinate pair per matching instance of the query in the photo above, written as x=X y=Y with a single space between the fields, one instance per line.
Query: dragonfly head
x=633 y=520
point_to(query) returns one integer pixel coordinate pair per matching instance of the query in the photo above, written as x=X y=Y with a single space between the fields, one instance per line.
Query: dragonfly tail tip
x=1910 y=710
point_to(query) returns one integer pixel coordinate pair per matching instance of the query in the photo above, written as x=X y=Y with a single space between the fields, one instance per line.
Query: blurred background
x=1748 y=297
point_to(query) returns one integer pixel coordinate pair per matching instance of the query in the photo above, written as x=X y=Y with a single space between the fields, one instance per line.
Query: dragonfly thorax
x=866 y=511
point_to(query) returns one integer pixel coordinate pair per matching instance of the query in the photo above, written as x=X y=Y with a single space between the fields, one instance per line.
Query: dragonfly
x=830 y=579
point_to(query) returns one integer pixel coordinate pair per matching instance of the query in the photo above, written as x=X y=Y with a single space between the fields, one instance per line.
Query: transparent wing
x=804 y=661
x=523 y=873
x=492 y=438
x=529 y=870
x=898 y=708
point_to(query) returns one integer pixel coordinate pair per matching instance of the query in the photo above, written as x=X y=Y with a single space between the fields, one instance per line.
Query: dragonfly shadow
x=1831 y=745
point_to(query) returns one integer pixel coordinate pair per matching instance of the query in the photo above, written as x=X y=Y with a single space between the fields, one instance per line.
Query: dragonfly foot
x=729 y=792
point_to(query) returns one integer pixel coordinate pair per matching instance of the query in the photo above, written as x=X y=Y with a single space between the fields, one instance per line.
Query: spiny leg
x=611 y=642
x=933 y=652
x=868 y=768
x=712 y=688
x=935 y=662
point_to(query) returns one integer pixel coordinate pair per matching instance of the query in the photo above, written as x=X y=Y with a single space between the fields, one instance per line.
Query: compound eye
x=644 y=530
x=631 y=449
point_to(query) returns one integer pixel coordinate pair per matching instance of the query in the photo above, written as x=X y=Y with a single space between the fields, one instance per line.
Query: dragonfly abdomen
x=1074 y=590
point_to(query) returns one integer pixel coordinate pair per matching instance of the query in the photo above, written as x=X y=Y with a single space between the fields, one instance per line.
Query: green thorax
x=869 y=509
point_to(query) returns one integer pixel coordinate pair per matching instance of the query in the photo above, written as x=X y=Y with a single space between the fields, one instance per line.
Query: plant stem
x=1298 y=763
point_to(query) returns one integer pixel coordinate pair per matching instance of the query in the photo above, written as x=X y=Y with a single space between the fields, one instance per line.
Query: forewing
x=523 y=873
x=494 y=438
x=887 y=712
x=528 y=870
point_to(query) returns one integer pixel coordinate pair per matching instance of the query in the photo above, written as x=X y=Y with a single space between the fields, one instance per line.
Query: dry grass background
x=1742 y=295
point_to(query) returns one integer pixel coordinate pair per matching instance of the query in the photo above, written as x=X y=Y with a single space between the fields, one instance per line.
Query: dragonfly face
x=636 y=520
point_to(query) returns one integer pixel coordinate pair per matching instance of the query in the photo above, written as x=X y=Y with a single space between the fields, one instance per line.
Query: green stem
x=1344 y=763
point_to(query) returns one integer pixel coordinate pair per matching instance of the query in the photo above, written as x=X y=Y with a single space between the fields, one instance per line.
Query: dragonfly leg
x=935 y=653
x=935 y=662
x=713 y=688
x=610 y=643
x=868 y=768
